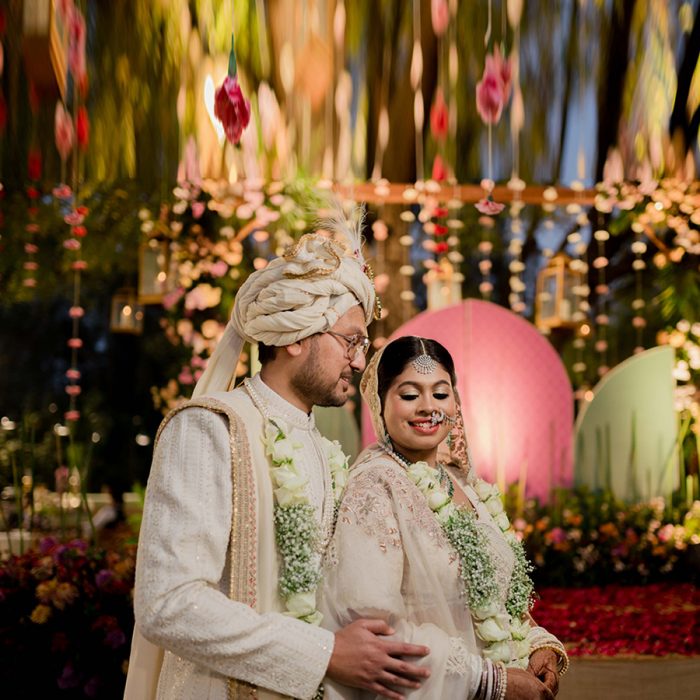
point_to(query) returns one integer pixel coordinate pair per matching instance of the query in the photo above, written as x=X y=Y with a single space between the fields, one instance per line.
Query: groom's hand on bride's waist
x=363 y=659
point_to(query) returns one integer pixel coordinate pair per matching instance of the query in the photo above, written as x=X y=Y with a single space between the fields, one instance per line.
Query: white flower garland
x=505 y=632
x=296 y=528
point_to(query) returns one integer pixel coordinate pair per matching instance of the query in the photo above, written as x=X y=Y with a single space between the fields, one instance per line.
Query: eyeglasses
x=356 y=343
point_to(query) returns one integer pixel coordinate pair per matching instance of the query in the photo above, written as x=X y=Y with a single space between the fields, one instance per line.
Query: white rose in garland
x=296 y=528
x=505 y=633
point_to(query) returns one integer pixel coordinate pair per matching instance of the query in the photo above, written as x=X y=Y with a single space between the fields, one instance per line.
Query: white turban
x=298 y=295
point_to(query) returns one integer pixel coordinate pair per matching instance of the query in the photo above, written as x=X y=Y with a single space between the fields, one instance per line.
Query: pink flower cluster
x=494 y=88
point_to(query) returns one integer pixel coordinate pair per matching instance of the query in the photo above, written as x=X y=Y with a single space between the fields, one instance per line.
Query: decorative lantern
x=127 y=313
x=155 y=273
x=45 y=44
x=556 y=302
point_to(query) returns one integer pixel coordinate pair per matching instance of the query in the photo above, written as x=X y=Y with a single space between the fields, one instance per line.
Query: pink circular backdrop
x=516 y=396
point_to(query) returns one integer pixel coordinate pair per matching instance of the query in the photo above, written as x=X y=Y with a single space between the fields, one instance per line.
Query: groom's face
x=325 y=377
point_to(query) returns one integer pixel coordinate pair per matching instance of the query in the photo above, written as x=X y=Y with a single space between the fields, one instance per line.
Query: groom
x=208 y=594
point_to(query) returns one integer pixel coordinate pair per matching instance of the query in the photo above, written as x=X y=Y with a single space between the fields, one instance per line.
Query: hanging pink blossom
x=439 y=119
x=503 y=67
x=63 y=130
x=76 y=45
x=232 y=109
x=489 y=207
x=493 y=91
x=440 y=16
x=489 y=95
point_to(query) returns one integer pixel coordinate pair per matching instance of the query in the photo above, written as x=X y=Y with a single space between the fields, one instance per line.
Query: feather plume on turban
x=304 y=292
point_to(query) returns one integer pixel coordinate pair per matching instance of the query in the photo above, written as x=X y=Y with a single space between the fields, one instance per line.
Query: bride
x=428 y=548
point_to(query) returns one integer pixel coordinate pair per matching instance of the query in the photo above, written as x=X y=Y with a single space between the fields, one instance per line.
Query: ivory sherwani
x=207 y=568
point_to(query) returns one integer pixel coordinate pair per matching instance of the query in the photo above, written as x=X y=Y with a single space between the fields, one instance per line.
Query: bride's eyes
x=408 y=397
x=441 y=396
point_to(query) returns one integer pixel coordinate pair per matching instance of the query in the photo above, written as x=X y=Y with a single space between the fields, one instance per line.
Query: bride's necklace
x=443 y=476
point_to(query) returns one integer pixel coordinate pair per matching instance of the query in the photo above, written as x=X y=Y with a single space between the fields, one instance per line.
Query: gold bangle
x=562 y=656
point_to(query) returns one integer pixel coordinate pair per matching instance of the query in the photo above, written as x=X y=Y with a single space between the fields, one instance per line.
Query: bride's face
x=408 y=405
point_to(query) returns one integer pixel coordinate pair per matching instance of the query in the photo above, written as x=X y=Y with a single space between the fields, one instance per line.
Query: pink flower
x=75 y=343
x=73 y=374
x=32 y=228
x=73 y=390
x=76 y=312
x=74 y=218
x=438 y=116
x=218 y=269
x=79 y=265
x=31 y=248
x=232 y=109
x=439 y=170
x=31 y=265
x=440 y=16
x=71 y=244
x=171 y=298
x=198 y=209
x=503 y=67
x=29 y=282
x=63 y=131
x=72 y=416
x=62 y=192
x=489 y=207
x=489 y=95
x=76 y=45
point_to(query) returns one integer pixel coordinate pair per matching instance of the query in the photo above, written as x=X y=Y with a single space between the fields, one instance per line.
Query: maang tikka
x=424 y=364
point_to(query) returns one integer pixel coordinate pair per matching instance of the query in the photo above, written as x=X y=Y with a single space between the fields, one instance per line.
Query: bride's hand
x=543 y=665
x=523 y=685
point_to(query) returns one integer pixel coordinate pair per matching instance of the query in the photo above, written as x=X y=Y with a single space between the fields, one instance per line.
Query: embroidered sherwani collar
x=280 y=407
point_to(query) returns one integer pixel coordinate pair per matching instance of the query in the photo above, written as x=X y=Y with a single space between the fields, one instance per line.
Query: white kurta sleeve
x=370 y=579
x=181 y=561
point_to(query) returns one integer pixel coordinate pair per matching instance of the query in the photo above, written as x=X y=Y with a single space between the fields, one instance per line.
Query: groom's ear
x=293 y=350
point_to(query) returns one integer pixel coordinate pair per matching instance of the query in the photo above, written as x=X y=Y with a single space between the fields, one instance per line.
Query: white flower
x=519 y=629
x=437 y=499
x=445 y=513
x=493 y=629
x=302 y=604
x=488 y=610
x=500 y=651
x=485 y=490
x=494 y=505
x=502 y=521
x=521 y=649
x=282 y=450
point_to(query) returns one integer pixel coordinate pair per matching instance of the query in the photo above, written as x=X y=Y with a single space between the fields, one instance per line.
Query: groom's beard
x=314 y=383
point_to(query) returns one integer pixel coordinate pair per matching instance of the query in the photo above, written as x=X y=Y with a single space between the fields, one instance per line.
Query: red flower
x=438 y=116
x=34 y=164
x=439 y=170
x=79 y=231
x=232 y=109
x=32 y=192
x=82 y=128
x=441 y=247
x=441 y=230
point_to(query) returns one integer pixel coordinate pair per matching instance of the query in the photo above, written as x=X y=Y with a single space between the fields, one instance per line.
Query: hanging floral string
x=492 y=94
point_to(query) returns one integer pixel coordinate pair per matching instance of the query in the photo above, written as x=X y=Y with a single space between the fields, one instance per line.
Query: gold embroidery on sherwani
x=243 y=547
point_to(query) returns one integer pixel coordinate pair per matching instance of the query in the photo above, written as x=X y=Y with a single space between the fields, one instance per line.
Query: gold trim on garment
x=243 y=540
